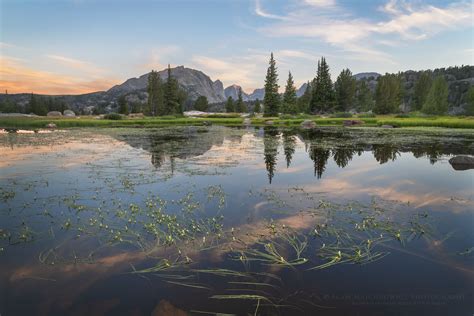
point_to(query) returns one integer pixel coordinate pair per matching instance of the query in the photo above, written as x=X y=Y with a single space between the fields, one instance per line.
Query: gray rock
x=386 y=126
x=462 y=162
x=247 y=121
x=51 y=126
x=233 y=91
x=352 y=122
x=269 y=122
x=54 y=113
x=69 y=113
x=308 y=124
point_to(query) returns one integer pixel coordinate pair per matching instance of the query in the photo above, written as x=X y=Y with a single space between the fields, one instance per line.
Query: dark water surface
x=215 y=220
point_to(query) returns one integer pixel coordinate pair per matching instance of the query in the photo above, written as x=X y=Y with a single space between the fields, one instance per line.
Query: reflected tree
x=320 y=157
x=289 y=144
x=270 y=150
x=342 y=156
x=385 y=152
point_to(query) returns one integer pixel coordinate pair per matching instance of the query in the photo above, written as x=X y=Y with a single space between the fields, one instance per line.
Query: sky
x=81 y=46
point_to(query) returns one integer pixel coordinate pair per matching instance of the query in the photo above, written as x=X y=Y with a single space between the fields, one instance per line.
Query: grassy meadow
x=234 y=120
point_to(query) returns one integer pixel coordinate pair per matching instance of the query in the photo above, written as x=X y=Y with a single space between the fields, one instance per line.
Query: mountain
x=233 y=91
x=301 y=90
x=366 y=75
x=194 y=82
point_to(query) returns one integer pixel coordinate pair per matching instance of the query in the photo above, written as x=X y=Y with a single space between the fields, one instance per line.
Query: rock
x=247 y=121
x=462 y=162
x=269 y=122
x=352 y=122
x=51 y=126
x=11 y=130
x=165 y=308
x=69 y=113
x=386 y=126
x=137 y=115
x=54 y=113
x=308 y=124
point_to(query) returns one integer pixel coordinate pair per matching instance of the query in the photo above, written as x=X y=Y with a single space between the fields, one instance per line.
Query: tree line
x=346 y=93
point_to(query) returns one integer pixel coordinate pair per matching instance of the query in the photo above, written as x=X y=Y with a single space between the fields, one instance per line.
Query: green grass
x=87 y=121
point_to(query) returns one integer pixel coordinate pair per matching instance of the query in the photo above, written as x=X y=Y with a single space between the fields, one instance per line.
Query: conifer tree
x=122 y=105
x=422 y=87
x=388 y=94
x=345 y=90
x=470 y=101
x=201 y=104
x=155 y=94
x=229 y=106
x=271 y=100
x=323 y=97
x=239 y=105
x=257 y=108
x=289 y=97
x=437 y=98
x=171 y=95
x=305 y=99
x=364 y=99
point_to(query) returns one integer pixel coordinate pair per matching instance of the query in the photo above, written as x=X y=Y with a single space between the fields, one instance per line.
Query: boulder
x=352 y=122
x=386 y=126
x=69 y=113
x=54 y=113
x=269 y=122
x=247 y=121
x=138 y=115
x=308 y=124
x=51 y=126
x=462 y=162
x=206 y=123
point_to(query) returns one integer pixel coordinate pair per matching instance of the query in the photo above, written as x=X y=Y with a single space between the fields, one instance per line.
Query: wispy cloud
x=76 y=64
x=261 y=12
x=362 y=36
x=17 y=77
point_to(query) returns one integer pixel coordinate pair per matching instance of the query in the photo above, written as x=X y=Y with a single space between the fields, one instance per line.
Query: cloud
x=230 y=70
x=82 y=66
x=260 y=12
x=159 y=57
x=362 y=36
x=321 y=3
x=17 y=77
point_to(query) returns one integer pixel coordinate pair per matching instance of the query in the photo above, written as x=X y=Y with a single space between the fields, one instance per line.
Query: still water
x=253 y=221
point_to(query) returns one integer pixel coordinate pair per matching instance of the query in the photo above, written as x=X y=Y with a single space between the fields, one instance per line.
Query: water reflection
x=321 y=145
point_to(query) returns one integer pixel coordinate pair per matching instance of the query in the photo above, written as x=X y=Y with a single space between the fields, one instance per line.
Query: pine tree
x=437 y=98
x=305 y=99
x=469 y=109
x=239 y=105
x=271 y=100
x=201 y=104
x=323 y=96
x=257 y=108
x=122 y=105
x=229 y=106
x=172 y=98
x=289 y=97
x=345 y=90
x=422 y=87
x=155 y=91
x=365 y=99
x=388 y=94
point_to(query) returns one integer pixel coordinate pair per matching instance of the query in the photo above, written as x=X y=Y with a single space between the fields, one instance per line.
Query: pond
x=240 y=221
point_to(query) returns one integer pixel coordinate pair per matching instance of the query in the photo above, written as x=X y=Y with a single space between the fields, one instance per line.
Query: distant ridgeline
x=360 y=92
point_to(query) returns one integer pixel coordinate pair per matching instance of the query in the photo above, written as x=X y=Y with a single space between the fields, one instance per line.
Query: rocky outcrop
x=69 y=113
x=462 y=162
x=233 y=91
x=308 y=124
x=54 y=113
x=194 y=82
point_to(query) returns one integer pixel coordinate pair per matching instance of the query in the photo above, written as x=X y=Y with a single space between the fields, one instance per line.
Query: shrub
x=113 y=116
x=402 y=115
